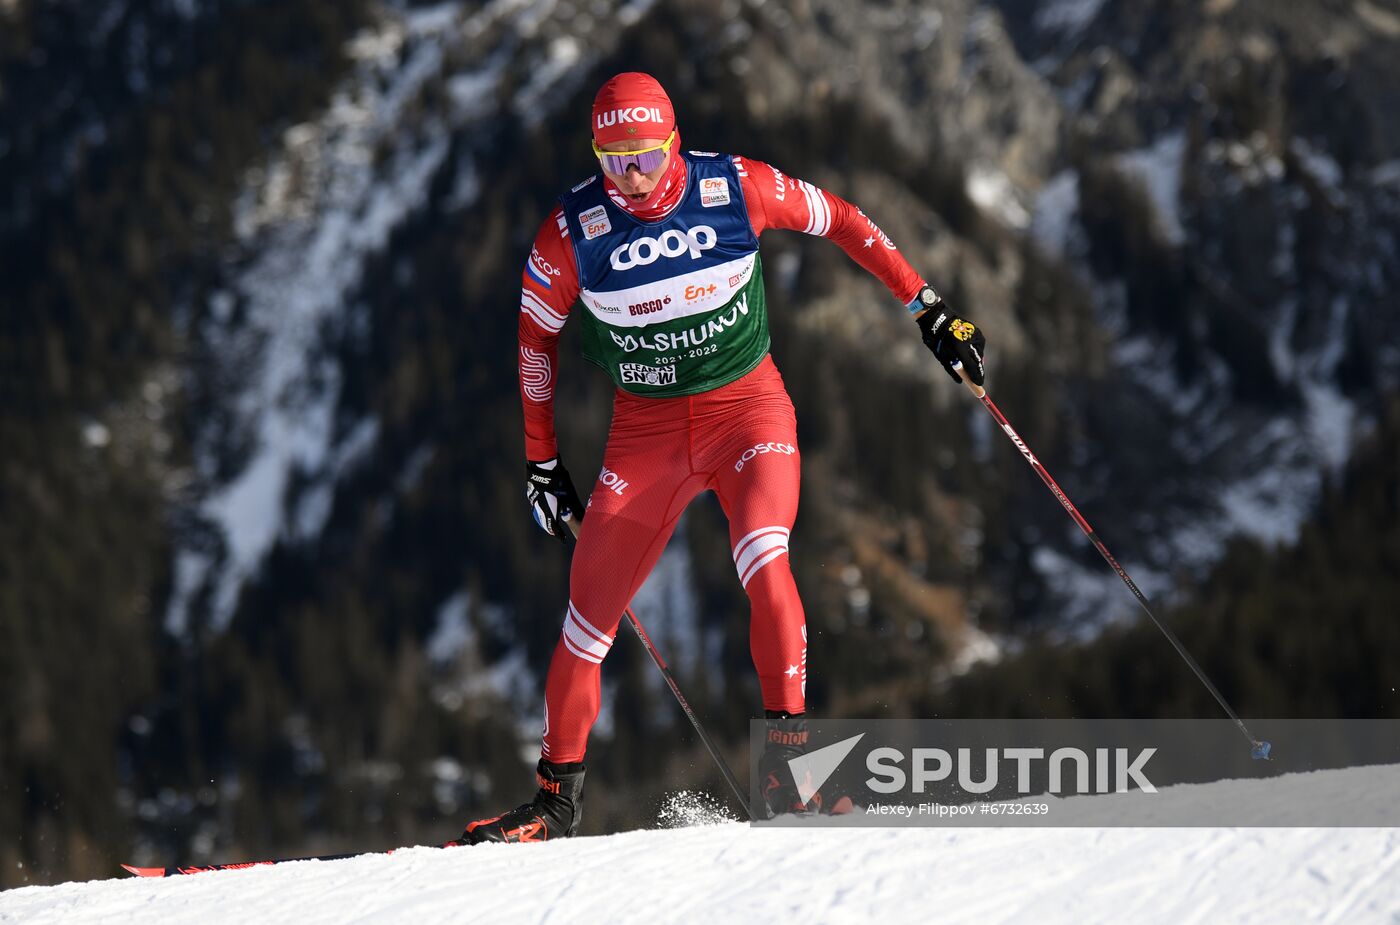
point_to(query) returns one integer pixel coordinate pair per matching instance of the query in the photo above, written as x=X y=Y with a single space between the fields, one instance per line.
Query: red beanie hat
x=632 y=105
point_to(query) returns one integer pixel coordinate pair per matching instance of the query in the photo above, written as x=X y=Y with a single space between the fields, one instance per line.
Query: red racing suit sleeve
x=548 y=289
x=776 y=200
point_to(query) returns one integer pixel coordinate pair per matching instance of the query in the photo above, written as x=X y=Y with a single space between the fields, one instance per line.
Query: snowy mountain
x=266 y=469
x=819 y=874
x=1245 y=363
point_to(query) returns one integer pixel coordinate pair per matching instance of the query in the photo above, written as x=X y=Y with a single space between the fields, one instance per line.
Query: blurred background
x=268 y=583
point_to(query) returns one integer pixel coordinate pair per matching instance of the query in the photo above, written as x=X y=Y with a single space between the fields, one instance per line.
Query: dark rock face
x=265 y=272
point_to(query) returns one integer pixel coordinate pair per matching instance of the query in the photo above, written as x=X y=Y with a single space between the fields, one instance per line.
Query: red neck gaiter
x=635 y=105
x=663 y=199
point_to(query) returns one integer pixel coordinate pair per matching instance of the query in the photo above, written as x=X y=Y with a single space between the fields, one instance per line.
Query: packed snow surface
x=808 y=874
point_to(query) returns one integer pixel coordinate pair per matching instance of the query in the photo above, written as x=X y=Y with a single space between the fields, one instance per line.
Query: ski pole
x=680 y=698
x=1259 y=749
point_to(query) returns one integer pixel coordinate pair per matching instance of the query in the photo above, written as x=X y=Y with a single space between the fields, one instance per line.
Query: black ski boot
x=785 y=739
x=554 y=813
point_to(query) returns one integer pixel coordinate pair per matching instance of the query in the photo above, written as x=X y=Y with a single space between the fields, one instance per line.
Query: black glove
x=952 y=339
x=552 y=497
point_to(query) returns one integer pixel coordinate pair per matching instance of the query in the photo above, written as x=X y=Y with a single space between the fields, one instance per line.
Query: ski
x=243 y=865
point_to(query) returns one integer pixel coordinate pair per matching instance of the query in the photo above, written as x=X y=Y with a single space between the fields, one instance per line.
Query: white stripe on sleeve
x=820 y=211
x=544 y=316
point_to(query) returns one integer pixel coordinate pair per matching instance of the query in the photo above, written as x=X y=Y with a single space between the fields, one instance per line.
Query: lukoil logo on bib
x=672 y=243
x=714 y=191
x=595 y=222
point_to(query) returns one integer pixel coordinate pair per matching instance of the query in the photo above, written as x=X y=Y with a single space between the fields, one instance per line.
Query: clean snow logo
x=672 y=243
x=641 y=374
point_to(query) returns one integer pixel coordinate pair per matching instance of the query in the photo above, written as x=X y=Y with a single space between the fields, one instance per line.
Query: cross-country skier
x=661 y=248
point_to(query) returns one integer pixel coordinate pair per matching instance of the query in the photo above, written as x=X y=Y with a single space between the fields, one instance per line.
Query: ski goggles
x=647 y=159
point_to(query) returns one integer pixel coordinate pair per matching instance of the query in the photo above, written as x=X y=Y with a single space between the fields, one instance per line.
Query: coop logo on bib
x=672 y=243
x=595 y=223
x=641 y=374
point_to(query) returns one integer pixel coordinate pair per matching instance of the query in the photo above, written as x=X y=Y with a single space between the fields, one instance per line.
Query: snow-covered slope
x=807 y=874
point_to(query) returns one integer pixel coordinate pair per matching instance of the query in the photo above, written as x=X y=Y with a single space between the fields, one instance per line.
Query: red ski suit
x=738 y=440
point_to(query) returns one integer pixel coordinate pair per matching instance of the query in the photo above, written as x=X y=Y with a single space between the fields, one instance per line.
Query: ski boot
x=785 y=739
x=554 y=813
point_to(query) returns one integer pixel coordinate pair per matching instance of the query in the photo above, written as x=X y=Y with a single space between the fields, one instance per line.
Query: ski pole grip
x=972 y=386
